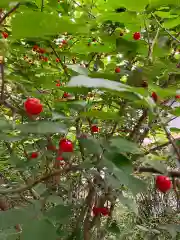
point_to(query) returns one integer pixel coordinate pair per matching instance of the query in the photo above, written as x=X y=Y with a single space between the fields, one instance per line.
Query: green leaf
x=6 y=3
x=102 y=115
x=176 y=112
x=83 y=81
x=25 y=25
x=129 y=203
x=60 y=213
x=9 y=138
x=174 y=129
x=124 y=145
x=130 y=5
x=42 y=127
x=4 y=124
x=171 y=23
x=92 y=145
x=38 y=230
x=12 y=217
x=77 y=68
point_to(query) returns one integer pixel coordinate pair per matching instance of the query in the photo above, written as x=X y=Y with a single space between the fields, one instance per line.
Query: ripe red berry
x=96 y=211
x=64 y=42
x=33 y=106
x=58 y=60
x=117 y=70
x=58 y=84
x=45 y=59
x=136 y=36
x=66 y=145
x=154 y=96
x=94 y=129
x=177 y=96
x=59 y=158
x=5 y=35
x=41 y=50
x=163 y=183
x=35 y=48
x=104 y=211
x=65 y=95
x=34 y=154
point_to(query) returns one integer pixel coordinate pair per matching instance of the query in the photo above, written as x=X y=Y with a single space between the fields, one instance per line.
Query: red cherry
x=58 y=60
x=144 y=84
x=35 y=48
x=5 y=35
x=94 y=129
x=117 y=70
x=66 y=145
x=41 y=50
x=58 y=84
x=64 y=42
x=65 y=95
x=177 y=96
x=154 y=96
x=34 y=154
x=59 y=158
x=33 y=106
x=163 y=183
x=45 y=59
x=105 y=211
x=136 y=36
x=96 y=211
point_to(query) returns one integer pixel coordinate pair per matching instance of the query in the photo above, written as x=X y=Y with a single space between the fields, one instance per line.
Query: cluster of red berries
x=5 y=35
x=40 y=51
x=104 y=211
x=163 y=183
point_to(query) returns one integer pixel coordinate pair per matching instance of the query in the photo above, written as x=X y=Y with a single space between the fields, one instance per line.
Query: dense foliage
x=84 y=86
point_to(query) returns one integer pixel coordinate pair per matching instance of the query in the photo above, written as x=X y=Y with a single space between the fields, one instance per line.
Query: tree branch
x=9 y=13
x=39 y=180
x=2 y=80
x=165 y=29
x=171 y=173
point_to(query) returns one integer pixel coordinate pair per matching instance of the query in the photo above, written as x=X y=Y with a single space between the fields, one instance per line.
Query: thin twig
x=2 y=81
x=62 y=65
x=39 y=180
x=8 y=13
x=42 y=5
x=165 y=29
